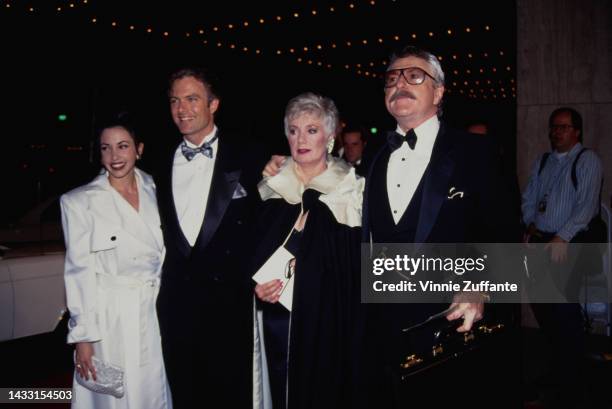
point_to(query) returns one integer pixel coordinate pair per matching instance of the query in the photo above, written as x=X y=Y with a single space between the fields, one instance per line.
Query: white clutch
x=278 y=267
x=109 y=379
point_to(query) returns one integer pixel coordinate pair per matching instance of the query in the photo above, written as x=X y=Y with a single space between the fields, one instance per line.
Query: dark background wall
x=564 y=59
x=61 y=62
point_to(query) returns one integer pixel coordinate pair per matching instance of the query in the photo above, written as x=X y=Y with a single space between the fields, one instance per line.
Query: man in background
x=560 y=206
x=354 y=141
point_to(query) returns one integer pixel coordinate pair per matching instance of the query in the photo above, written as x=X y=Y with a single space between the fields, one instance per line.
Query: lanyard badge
x=542 y=204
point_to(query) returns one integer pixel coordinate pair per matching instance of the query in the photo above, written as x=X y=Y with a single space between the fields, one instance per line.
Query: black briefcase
x=480 y=368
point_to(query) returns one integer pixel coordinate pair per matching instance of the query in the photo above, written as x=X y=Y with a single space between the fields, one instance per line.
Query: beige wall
x=564 y=58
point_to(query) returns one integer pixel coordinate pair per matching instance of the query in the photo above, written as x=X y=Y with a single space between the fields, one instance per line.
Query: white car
x=32 y=293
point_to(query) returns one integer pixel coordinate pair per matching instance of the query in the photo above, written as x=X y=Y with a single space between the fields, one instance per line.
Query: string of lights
x=31 y=8
x=220 y=28
x=289 y=17
x=366 y=42
x=297 y=15
x=206 y=35
x=288 y=50
x=467 y=71
x=505 y=88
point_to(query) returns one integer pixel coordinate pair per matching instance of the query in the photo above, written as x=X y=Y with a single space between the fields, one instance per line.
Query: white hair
x=310 y=103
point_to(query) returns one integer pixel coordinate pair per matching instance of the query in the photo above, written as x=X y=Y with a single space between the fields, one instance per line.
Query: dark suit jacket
x=467 y=163
x=205 y=299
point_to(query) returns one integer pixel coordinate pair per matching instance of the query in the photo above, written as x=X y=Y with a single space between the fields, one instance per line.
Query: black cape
x=326 y=312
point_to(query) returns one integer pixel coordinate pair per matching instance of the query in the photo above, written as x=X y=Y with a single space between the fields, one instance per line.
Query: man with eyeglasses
x=427 y=184
x=553 y=203
x=560 y=206
x=408 y=199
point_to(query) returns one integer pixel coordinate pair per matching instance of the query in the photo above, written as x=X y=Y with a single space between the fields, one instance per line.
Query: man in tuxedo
x=207 y=200
x=408 y=199
x=354 y=141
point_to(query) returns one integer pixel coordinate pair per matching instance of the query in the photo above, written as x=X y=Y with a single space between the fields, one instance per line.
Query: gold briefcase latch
x=411 y=360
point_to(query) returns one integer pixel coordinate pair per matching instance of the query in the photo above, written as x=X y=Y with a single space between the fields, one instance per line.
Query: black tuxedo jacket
x=467 y=163
x=205 y=299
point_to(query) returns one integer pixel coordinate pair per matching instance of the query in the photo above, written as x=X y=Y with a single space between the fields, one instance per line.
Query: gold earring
x=330 y=145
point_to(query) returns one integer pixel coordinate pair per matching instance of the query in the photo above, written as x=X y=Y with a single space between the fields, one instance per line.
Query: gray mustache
x=402 y=94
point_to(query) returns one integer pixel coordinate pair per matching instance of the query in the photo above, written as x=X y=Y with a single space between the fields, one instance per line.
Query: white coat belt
x=130 y=310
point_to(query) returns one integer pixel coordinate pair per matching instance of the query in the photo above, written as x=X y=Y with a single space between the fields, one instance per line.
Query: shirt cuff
x=80 y=330
x=566 y=235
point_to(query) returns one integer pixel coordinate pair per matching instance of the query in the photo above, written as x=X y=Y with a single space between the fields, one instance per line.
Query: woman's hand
x=84 y=364
x=270 y=291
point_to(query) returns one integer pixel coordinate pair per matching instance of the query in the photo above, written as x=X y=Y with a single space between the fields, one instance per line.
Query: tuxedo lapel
x=365 y=229
x=435 y=185
x=173 y=231
x=224 y=181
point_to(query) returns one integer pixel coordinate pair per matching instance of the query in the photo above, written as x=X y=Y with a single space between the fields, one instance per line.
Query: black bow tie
x=396 y=139
x=206 y=149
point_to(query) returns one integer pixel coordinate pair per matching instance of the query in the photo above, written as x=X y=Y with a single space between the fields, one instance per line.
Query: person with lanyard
x=559 y=204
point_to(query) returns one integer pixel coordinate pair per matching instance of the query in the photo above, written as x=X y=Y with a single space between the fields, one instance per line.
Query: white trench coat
x=112 y=273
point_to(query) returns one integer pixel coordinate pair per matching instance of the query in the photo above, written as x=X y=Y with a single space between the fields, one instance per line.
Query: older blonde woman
x=312 y=210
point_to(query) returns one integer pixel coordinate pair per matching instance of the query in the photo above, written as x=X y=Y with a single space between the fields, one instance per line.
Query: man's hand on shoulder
x=274 y=165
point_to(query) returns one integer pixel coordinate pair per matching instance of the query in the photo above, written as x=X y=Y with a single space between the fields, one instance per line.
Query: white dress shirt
x=190 y=187
x=406 y=166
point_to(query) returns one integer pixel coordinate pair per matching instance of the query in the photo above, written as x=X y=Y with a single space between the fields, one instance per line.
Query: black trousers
x=563 y=328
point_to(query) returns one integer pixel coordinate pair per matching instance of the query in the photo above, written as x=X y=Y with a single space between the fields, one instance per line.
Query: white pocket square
x=239 y=192
x=453 y=193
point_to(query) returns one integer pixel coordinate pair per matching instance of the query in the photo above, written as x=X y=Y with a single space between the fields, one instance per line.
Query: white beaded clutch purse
x=109 y=379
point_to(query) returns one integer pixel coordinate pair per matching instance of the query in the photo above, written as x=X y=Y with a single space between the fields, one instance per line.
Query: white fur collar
x=341 y=189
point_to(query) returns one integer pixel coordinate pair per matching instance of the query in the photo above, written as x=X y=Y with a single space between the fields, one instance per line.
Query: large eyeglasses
x=412 y=75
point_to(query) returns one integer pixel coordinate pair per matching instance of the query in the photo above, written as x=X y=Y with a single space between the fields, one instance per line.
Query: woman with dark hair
x=114 y=253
